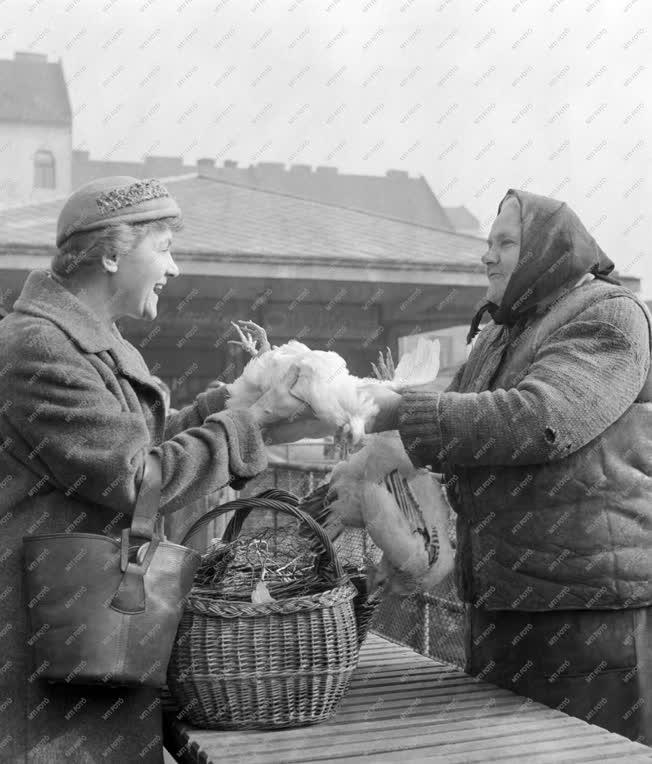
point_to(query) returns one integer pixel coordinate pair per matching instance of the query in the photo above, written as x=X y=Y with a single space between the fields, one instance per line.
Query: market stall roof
x=227 y=222
x=395 y=193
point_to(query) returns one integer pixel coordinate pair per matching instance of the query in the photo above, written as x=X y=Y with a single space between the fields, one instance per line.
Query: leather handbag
x=103 y=610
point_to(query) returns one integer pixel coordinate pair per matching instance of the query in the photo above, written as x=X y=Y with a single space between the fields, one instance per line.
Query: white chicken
x=324 y=383
x=413 y=535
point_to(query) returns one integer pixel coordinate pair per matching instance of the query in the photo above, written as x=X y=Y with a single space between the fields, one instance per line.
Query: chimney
x=34 y=58
x=323 y=170
x=205 y=166
x=301 y=169
x=230 y=164
x=397 y=175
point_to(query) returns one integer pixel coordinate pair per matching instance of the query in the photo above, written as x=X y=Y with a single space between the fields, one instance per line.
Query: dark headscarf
x=556 y=251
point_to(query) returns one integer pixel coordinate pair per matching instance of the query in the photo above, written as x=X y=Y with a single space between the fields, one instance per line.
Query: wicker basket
x=354 y=549
x=240 y=665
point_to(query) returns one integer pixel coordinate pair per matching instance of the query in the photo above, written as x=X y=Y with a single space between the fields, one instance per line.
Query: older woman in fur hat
x=80 y=412
x=545 y=439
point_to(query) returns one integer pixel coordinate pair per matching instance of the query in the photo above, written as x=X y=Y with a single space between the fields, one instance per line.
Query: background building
x=35 y=130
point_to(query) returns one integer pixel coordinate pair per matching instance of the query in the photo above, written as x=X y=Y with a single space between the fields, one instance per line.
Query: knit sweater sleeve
x=582 y=379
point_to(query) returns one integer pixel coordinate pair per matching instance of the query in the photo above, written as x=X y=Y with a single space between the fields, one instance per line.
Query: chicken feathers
x=324 y=383
x=404 y=509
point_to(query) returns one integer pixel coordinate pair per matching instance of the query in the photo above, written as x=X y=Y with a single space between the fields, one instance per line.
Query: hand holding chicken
x=322 y=383
x=334 y=396
x=413 y=534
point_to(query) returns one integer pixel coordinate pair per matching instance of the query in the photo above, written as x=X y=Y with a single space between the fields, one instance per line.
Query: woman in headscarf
x=80 y=412
x=545 y=440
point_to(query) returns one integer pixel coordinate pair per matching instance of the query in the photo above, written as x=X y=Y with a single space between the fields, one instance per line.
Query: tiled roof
x=462 y=219
x=33 y=90
x=394 y=194
x=226 y=219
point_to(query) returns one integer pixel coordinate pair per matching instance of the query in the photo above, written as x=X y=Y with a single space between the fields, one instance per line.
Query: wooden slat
x=558 y=755
x=515 y=744
x=370 y=730
x=403 y=707
x=415 y=735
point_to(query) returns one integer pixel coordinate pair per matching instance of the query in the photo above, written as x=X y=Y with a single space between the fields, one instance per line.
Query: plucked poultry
x=364 y=488
x=324 y=384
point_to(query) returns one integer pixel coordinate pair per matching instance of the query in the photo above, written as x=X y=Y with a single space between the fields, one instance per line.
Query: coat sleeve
x=75 y=431
x=209 y=402
x=582 y=379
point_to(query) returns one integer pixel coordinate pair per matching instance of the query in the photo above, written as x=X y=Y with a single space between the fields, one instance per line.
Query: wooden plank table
x=403 y=707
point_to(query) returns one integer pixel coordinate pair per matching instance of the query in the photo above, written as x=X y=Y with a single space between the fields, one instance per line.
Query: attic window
x=44 y=170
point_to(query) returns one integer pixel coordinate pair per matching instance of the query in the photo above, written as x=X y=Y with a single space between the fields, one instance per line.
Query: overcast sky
x=476 y=95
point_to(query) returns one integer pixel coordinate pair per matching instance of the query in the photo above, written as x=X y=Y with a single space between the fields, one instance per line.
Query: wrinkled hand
x=251 y=338
x=387 y=402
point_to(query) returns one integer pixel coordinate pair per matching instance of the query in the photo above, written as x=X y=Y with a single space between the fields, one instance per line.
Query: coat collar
x=45 y=297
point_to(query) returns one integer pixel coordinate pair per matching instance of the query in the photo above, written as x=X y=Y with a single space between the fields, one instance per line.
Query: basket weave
x=240 y=665
x=355 y=550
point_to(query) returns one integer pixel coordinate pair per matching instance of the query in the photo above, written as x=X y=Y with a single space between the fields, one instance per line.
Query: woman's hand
x=280 y=404
x=284 y=417
x=253 y=339
x=387 y=402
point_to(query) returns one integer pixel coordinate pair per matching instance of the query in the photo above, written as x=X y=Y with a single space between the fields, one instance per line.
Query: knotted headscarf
x=556 y=251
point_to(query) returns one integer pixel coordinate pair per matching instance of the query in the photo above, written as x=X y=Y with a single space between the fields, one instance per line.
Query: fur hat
x=118 y=199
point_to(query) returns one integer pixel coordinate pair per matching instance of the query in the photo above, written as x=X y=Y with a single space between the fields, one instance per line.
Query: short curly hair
x=85 y=249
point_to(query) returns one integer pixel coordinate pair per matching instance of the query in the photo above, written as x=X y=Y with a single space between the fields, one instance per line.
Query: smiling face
x=141 y=275
x=504 y=242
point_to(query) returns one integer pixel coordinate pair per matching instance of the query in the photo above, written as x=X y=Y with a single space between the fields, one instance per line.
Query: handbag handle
x=271 y=499
x=146 y=512
x=130 y=594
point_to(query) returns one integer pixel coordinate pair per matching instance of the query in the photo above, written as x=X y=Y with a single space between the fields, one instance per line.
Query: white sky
x=477 y=95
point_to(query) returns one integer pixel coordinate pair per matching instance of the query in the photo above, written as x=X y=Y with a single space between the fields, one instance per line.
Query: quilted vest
x=564 y=535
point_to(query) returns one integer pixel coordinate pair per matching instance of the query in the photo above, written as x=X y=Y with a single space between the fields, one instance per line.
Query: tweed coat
x=79 y=413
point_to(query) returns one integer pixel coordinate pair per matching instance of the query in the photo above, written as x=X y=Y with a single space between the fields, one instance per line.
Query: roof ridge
x=368 y=213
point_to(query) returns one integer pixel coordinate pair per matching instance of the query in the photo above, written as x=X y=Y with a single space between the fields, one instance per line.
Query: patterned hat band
x=141 y=191
x=114 y=200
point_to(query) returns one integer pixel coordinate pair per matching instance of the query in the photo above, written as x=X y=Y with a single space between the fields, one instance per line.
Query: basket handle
x=232 y=530
x=271 y=499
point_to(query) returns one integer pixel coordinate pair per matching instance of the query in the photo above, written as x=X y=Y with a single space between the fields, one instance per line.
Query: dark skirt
x=592 y=664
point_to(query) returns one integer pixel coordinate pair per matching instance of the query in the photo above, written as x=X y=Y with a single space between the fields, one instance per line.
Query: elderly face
x=142 y=274
x=504 y=248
